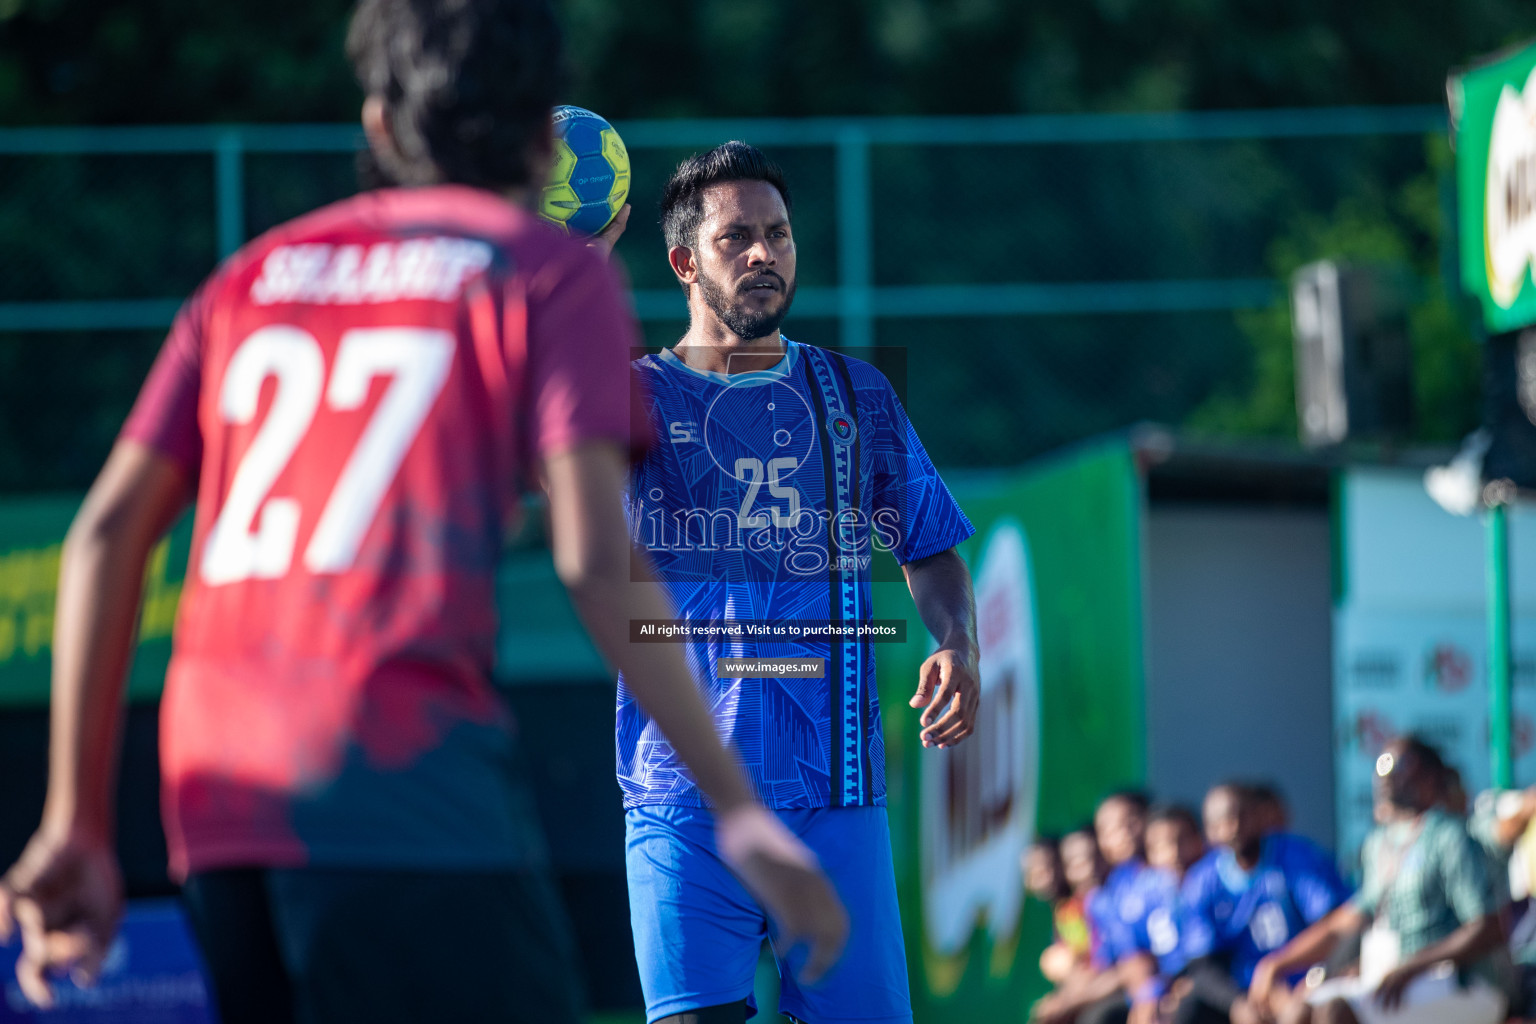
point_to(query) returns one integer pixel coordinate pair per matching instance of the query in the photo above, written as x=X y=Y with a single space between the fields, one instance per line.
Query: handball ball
x=590 y=180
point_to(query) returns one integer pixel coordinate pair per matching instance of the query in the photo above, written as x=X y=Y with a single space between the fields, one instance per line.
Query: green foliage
x=159 y=61
x=1400 y=226
x=984 y=391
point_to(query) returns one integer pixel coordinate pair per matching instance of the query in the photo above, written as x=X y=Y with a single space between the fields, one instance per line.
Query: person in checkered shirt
x=1433 y=948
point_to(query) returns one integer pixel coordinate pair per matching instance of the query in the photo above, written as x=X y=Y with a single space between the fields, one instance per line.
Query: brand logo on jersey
x=684 y=432
x=841 y=428
x=978 y=799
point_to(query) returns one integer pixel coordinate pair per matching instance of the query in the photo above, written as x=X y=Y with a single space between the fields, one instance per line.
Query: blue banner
x=152 y=975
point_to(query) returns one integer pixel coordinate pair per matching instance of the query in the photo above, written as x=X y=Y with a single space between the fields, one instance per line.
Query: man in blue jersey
x=1147 y=953
x=1247 y=898
x=779 y=472
x=1120 y=825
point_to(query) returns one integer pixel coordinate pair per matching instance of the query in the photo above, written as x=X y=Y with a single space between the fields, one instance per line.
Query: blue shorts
x=698 y=932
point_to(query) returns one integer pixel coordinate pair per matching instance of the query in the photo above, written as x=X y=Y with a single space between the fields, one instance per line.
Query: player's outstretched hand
x=65 y=896
x=782 y=873
x=949 y=692
x=604 y=241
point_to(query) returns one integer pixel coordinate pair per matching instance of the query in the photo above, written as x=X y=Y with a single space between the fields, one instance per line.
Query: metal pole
x=855 y=258
x=229 y=194
x=1499 y=716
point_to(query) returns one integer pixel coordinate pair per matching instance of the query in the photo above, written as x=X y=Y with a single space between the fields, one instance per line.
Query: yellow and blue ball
x=590 y=179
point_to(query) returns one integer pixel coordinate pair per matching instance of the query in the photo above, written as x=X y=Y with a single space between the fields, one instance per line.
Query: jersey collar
x=778 y=371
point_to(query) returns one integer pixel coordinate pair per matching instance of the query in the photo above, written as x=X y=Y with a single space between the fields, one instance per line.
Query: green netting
x=1215 y=218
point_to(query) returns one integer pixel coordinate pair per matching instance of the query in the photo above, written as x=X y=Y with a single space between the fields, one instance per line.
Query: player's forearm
x=1138 y=976
x=609 y=587
x=1472 y=941
x=1100 y=986
x=98 y=601
x=660 y=680
x=1315 y=942
x=1508 y=830
x=941 y=590
x=135 y=499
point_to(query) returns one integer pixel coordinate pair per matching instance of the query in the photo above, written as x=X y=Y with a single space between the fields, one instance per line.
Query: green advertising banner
x=1056 y=561
x=1493 y=118
x=31 y=540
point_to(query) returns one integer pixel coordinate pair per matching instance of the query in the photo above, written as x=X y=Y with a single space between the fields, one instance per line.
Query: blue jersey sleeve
x=916 y=516
x=1160 y=934
x=1099 y=910
x=1198 y=930
x=1314 y=881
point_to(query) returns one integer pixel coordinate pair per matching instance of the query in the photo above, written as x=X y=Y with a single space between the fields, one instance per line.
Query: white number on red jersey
x=254 y=534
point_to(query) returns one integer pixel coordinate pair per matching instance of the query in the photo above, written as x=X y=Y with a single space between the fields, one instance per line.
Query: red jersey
x=359 y=394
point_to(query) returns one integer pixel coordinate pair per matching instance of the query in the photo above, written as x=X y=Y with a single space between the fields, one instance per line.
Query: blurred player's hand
x=949 y=692
x=604 y=241
x=1261 y=989
x=782 y=873
x=65 y=896
x=1053 y=1009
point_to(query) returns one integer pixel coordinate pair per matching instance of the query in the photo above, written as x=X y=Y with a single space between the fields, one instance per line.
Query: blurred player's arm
x=65 y=891
x=949 y=687
x=1139 y=978
x=1063 y=1005
x=1310 y=946
x=594 y=559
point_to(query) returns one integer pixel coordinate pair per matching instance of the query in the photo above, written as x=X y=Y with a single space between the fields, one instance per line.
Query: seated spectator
x=1085 y=869
x=1500 y=823
x=1453 y=793
x=1046 y=880
x=1064 y=874
x=1431 y=953
x=1486 y=829
x=1120 y=827
x=1246 y=898
x=1147 y=952
x=1270 y=807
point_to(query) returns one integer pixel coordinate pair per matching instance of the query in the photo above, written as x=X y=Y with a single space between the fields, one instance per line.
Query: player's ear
x=376 y=129
x=683 y=264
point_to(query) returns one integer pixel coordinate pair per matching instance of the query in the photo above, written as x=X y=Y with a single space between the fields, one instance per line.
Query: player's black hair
x=1083 y=828
x=1427 y=754
x=1266 y=791
x=1137 y=798
x=468 y=85
x=1180 y=813
x=682 y=200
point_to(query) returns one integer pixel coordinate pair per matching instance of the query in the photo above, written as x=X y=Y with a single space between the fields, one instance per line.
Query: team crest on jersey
x=841 y=428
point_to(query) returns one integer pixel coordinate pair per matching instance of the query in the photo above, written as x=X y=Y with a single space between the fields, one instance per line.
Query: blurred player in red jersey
x=355 y=399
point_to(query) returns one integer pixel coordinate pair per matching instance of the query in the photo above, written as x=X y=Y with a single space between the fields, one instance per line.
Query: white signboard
x=979 y=798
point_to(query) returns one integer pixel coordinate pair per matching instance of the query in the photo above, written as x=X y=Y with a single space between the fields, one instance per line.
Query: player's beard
x=745 y=323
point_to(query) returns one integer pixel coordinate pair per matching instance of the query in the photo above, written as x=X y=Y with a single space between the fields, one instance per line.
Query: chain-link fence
x=1050 y=277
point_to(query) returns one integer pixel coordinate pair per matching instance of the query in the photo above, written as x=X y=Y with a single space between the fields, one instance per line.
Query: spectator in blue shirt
x=1248 y=897
x=1148 y=953
x=1270 y=806
x=1120 y=824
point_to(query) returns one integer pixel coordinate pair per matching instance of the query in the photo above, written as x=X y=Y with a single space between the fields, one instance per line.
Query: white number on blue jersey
x=751 y=472
x=1268 y=927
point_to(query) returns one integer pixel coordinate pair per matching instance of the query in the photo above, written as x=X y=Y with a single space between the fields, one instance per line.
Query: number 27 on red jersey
x=255 y=532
